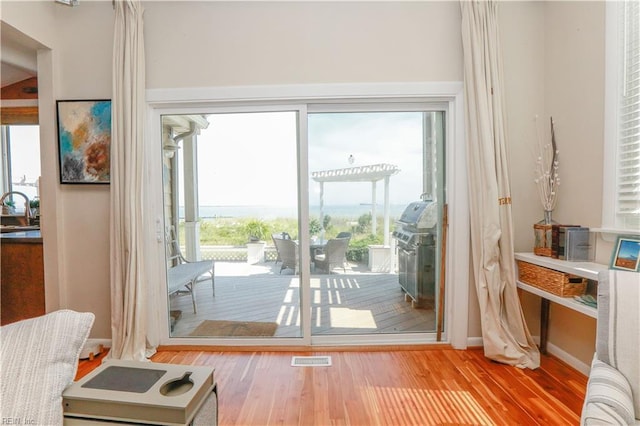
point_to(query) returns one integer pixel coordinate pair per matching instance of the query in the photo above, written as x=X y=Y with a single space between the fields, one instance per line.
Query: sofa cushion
x=608 y=399
x=618 y=335
x=38 y=359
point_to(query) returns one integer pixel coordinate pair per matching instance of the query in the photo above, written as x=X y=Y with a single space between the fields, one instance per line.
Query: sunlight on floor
x=433 y=407
x=242 y=269
x=288 y=315
x=342 y=283
x=288 y=296
x=351 y=318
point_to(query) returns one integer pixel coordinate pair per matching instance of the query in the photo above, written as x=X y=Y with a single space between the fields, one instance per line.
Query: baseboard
x=552 y=349
x=104 y=342
x=565 y=357
x=92 y=347
x=474 y=342
x=568 y=359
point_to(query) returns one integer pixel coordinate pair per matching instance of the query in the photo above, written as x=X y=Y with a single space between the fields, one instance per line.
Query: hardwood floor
x=404 y=387
x=355 y=302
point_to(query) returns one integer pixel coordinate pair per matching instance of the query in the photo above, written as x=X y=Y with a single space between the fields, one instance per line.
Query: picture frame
x=626 y=254
x=84 y=141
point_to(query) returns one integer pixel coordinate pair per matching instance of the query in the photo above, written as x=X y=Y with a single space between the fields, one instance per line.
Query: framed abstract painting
x=84 y=141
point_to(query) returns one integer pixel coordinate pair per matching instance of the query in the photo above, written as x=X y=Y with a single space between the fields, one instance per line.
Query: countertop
x=21 y=237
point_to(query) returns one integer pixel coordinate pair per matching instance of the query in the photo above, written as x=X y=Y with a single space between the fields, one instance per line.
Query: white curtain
x=505 y=335
x=128 y=278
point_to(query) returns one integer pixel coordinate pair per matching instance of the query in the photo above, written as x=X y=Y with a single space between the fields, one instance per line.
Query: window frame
x=6 y=158
x=611 y=221
x=6 y=166
x=197 y=100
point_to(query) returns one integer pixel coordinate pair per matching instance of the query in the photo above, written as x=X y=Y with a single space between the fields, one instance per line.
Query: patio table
x=319 y=244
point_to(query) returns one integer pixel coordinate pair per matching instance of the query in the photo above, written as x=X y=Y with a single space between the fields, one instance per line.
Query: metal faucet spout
x=27 y=207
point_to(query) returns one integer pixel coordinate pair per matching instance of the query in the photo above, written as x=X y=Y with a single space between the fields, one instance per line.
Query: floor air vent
x=311 y=361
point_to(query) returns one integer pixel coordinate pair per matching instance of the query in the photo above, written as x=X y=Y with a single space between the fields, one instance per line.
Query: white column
x=386 y=211
x=321 y=210
x=190 y=179
x=374 y=219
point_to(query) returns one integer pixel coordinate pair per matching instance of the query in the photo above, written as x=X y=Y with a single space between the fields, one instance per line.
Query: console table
x=587 y=270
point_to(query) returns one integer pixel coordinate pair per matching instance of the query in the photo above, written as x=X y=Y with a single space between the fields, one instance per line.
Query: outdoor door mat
x=174 y=317
x=210 y=328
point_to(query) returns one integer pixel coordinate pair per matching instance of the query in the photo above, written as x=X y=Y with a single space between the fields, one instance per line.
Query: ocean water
x=270 y=212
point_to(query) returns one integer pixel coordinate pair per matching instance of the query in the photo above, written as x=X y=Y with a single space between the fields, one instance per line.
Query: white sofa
x=613 y=390
x=38 y=360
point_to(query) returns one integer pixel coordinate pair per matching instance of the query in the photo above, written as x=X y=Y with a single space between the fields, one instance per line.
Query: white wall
x=82 y=60
x=553 y=61
x=191 y=44
x=554 y=66
x=235 y=43
x=35 y=19
x=574 y=96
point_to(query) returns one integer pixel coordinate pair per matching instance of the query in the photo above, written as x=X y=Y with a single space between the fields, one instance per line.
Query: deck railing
x=234 y=253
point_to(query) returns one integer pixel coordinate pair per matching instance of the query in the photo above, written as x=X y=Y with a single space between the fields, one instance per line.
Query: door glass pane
x=231 y=194
x=366 y=168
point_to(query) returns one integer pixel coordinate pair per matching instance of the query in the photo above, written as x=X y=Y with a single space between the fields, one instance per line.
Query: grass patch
x=238 y=231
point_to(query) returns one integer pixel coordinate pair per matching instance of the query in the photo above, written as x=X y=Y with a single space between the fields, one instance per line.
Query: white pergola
x=371 y=173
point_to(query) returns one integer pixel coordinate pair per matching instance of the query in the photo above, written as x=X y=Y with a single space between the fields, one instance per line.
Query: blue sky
x=629 y=249
x=250 y=159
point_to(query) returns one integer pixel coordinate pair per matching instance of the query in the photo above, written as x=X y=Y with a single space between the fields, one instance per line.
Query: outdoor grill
x=416 y=242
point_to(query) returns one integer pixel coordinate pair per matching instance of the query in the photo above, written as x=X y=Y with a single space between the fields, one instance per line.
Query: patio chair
x=333 y=255
x=345 y=235
x=289 y=255
x=276 y=242
x=182 y=275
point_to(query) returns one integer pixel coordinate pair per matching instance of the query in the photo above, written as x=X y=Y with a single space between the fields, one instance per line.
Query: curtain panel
x=505 y=335
x=128 y=278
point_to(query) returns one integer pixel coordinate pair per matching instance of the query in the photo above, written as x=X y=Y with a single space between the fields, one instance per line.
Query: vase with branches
x=546 y=176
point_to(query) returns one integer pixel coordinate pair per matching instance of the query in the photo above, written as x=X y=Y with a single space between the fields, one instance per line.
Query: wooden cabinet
x=22 y=279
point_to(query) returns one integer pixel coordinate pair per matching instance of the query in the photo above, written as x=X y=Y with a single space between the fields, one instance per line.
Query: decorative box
x=555 y=282
x=580 y=245
x=542 y=245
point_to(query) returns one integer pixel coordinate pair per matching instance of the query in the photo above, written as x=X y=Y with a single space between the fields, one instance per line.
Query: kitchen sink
x=4 y=229
x=14 y=220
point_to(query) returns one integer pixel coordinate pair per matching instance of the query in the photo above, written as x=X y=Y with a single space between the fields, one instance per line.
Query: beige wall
x=237 y=44
x=553 y=62
x=554 y=66
x=35 y=19
x=574 y=96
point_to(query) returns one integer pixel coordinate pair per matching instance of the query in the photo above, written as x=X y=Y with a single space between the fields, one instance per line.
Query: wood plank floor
x=404 y=387
x=353 y=302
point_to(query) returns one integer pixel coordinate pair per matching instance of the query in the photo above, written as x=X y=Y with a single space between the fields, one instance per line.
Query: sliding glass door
x=282 y=224
x=366 y=166
x=231 y=191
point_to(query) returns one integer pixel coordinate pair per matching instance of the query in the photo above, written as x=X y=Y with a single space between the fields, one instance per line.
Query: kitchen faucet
x=27 y=208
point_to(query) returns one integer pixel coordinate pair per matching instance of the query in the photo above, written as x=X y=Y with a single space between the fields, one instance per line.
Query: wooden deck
x=351 y=302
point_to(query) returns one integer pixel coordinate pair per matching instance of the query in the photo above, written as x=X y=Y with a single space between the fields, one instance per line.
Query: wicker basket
x=555 y=282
